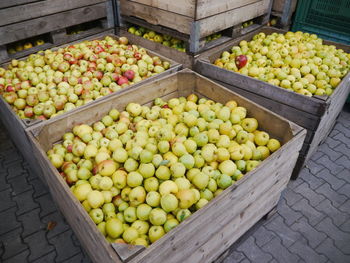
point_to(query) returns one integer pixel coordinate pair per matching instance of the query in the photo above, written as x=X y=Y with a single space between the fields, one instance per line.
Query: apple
x=157 y=217
x=130 y=214
x=95 y=199
x=155 y=233
x=114 y=227
x=96 y=215
x=182 y=214
x=143 y=211
x=151 y=184
x=142 y=227
x=137 y=196
x=153 y=198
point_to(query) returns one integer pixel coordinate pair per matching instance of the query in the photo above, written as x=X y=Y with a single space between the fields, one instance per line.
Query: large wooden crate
x=208 y=232
x=317 y=114
x=197 y=18
x=16 y=126
x=284 y=9
x=51 y=20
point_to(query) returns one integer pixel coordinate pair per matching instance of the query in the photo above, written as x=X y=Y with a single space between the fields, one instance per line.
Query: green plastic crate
x=330 y=19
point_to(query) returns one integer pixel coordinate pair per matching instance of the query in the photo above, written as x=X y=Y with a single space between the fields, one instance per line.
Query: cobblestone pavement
x=312 y=223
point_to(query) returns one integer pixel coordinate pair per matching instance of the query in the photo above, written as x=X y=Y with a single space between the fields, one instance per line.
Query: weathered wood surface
x=43 y=8
x=280 y=5
x=317 y=114
x=42 y=25
x=231 y=214
x=204 y=26
x=9 y=3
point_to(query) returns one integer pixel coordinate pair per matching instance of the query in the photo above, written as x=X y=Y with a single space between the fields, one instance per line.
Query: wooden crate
x=208 y=232
x=284 y=9
x=317 y=114
x=196 y=19
x=17 y=127
x=23 y=19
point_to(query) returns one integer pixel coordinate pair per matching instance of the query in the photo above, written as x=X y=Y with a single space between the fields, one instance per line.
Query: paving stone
x=50 y=257
x=39 y=188
x=235 y=256
x=315 y=167
x=333 y=133
x=14 y=170
x=290 y=196
x=31 y=222
x=340 y=238
x=60 y=224
x=8 y=220
x=13 y=158
x=317 y=155
x=3 y=182
x=284 y=232
x=39 y=246
x=341 y=136
x=333 y=167
x=76 y=258
x=330 y=178
x=245 y=261
x=332 y=143
x=342 y=148
x=337 y=216
x=345 y=227
x=19 y=184
x=333 y=155
x=313 y=237
x=263 y=236
x=313 y=197
x=335 y=198
x=64 y=246
x=312 y=215
x=313 y=181
x=20 y=257
x=6 y=201
x=305 y=252
x=345 y=207
x=46 y=204
x=344 y=175
x=280 y=252
x=253 y=252
x=290 y=216
x=12 y=243
x=332 y=252
x=25 y=202
x=343 y=161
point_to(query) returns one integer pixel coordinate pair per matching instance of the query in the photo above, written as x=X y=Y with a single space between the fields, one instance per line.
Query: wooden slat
x=9 y=3
x=182 y=7
x=44 y=8
x=50 y=23
x=232 y=17
x=337 y=101
x=206 y=8
x=156 y=16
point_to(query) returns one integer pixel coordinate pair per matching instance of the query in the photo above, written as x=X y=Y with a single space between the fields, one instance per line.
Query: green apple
x=96 y=215
x=224 y=181
x=81 y=191
x=169 y=202
x=227 y=167
x=186 y=198
x=170 y=224
x=142 y=227
x=153 y=198
x=143 y=211
x=201 y=180
x=157 y=217
x=182 y=214
x=95 y=199
x=134 y=179
x=155 y=233
x=119 y=179
x=130 y=214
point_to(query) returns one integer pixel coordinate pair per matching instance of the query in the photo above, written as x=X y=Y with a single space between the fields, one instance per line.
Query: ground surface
x=312 y=223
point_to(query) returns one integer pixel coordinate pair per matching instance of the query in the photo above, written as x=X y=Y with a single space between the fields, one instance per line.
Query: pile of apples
x=298 y=62
x=53 y=82
x=23 y=45
x=163 y=39
x=142 y=171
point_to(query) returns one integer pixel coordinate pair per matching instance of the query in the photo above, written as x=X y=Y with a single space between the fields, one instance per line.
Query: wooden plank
x=337 y=101
x=232 y=17
x=279 y=5
x=206 y=8
x=156 y=16
x=126 y=251
x=50 y=23
x=26 y=12
x=9 y=3
x=182 y=7
x=242 y=198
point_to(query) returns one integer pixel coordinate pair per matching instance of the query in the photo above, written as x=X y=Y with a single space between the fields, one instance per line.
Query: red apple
x=241 y=61
x=129 y=74
x=28 y=112
x=122 y=80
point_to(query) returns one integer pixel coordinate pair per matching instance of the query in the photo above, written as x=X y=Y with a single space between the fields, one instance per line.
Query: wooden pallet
x=50 y=20
x=17 y=127
x=284 y=9
x=208 y=232
x=192 y=21
x=317 y=114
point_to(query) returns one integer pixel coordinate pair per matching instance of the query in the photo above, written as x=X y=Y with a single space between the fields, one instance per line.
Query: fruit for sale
x=159 y=166
x=50 y=83
x=298 y=62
